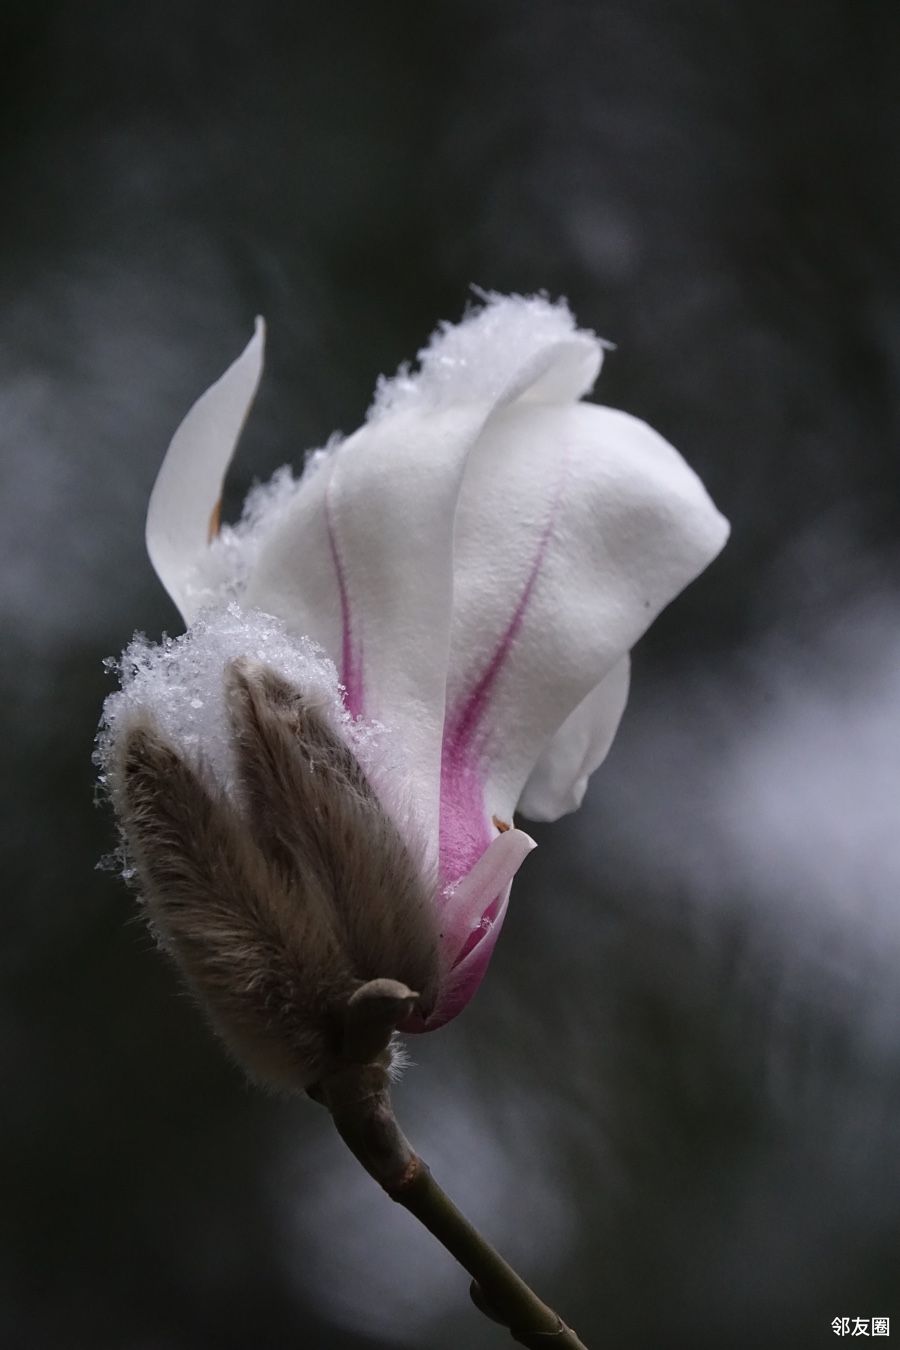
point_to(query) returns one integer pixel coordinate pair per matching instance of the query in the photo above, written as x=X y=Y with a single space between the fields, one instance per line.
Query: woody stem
x=359 y=1101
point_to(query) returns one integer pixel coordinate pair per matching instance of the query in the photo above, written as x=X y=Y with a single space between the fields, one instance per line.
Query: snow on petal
x=180 y=684
x=182 y=516
x=512 y=347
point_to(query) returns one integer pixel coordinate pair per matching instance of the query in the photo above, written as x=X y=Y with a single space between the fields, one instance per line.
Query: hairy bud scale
x=296 y=912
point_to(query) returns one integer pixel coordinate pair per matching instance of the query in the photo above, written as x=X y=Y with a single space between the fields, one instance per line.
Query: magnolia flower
x=477 y=561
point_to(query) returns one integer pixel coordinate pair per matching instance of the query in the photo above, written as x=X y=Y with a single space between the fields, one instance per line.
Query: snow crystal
x=496 y=348
x=180 y=684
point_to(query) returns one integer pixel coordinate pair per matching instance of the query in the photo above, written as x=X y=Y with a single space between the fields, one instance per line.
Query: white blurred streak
x=767 y=794
x=812 y=802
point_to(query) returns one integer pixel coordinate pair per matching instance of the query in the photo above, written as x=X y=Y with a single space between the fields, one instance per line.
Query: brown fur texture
x=279 y=908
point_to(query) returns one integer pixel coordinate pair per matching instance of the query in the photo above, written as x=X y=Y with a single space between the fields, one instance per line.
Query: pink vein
x=464 y=830
x=351 y=652
x=466 y=721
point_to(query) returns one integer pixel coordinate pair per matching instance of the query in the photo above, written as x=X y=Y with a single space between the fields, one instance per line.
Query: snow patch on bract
x=509 y=347
x=180 y=684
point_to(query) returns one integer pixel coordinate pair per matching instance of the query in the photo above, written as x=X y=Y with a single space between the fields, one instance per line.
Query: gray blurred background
x=675 y=1103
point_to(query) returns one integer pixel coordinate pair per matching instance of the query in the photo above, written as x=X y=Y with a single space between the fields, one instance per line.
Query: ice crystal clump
x=180 y=684
x=489 y=353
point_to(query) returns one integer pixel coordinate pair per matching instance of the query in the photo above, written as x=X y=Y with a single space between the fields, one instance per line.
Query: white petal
x=362 y=562
x=575 y=526
x=558 y=782
x=294 y=574
x=182 y=515
x=373 y=549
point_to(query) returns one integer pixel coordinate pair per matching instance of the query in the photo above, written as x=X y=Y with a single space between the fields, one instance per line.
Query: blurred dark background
x=676 y=1102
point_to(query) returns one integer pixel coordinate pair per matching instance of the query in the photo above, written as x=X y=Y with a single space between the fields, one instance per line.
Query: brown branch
x=360 y=1104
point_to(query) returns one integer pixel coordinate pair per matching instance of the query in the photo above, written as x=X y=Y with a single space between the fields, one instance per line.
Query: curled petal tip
x=526 y=843
x=488 y=879
x=182 y=514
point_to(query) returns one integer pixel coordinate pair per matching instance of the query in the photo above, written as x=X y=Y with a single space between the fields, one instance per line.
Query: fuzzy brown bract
x=287 y=901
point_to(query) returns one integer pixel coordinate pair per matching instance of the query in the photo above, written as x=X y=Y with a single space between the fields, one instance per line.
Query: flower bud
x=292 y=906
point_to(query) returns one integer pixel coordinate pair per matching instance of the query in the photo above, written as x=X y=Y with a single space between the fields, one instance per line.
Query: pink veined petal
x=465 y=906
x=392 y=500
x=472 y=917
x=362 y=562
x=385 y=543
x=182 y=516
x=464 y=815
x=575 y=526
x=465 y=978
x=558 y=371
x=558 y=781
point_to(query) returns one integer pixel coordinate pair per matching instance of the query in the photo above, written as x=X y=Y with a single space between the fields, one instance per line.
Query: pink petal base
x=473 y=915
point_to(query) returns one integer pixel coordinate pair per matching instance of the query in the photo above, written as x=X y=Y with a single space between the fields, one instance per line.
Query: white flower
x=478 y=560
